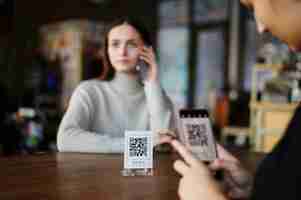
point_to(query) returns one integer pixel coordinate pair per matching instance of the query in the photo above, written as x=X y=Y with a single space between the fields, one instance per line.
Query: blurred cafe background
x=209 y=53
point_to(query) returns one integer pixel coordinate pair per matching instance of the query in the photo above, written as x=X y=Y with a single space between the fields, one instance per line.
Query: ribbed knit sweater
x=99 y=112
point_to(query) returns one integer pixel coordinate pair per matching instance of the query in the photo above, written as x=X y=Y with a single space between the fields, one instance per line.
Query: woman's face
x=124 y=45
x=280 y=17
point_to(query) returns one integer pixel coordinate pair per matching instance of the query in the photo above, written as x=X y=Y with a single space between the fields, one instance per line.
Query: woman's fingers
x=181 y=167
x=148 y=53
x=162 y=136
x=167 y=132
x=163 y=139
x=146 y=59
x=148 y=50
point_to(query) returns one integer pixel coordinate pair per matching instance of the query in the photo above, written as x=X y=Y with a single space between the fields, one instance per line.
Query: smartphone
x=197 y=134
x=142 y=67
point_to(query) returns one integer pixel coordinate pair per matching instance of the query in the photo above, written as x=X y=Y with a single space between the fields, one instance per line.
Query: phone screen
x=197 y=133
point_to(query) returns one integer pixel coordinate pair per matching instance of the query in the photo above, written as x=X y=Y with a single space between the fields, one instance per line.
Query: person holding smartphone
x=278 y=175
x=100 y=110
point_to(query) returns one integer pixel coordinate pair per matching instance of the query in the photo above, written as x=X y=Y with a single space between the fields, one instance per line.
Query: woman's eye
x=132 y=45
x=115 y=44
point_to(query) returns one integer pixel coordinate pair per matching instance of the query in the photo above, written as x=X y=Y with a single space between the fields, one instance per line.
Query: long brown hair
x=108 y=70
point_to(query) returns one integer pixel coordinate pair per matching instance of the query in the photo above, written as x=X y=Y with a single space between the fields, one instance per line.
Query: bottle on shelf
x=295 y=92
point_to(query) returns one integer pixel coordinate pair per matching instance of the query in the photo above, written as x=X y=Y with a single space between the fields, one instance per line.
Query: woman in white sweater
x=100 y=110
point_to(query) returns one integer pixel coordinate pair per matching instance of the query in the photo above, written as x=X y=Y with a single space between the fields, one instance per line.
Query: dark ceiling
x=16 y=15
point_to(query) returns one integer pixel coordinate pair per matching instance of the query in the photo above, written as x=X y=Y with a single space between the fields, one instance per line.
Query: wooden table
x=86 y=176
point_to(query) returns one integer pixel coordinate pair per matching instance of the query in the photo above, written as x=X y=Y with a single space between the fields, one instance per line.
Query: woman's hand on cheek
x=148 y=55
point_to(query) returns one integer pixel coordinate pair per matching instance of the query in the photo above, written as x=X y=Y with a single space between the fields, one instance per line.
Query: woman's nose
x=123 y=50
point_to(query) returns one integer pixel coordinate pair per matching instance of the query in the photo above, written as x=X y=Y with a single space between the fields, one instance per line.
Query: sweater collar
x=125 y=83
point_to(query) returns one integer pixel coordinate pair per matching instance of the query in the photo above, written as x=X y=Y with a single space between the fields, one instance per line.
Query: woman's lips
x=123 y=60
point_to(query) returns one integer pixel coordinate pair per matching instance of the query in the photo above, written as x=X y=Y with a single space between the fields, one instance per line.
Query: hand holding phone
x=143 y=68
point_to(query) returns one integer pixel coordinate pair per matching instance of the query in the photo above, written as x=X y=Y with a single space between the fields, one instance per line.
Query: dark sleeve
x=3 y=102
x=277 y=175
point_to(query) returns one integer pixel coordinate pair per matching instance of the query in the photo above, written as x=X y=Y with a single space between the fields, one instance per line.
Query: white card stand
x=138 y=153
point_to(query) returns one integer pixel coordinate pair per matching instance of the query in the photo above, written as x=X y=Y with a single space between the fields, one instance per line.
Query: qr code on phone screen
x=197 y=134
x=138 y=146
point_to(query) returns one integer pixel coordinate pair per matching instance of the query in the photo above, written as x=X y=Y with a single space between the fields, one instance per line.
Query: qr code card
x=138 y=152
x=197 y=134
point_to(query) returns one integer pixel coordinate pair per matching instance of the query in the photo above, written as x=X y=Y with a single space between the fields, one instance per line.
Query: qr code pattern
x=138 y=146
x=197 y=134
